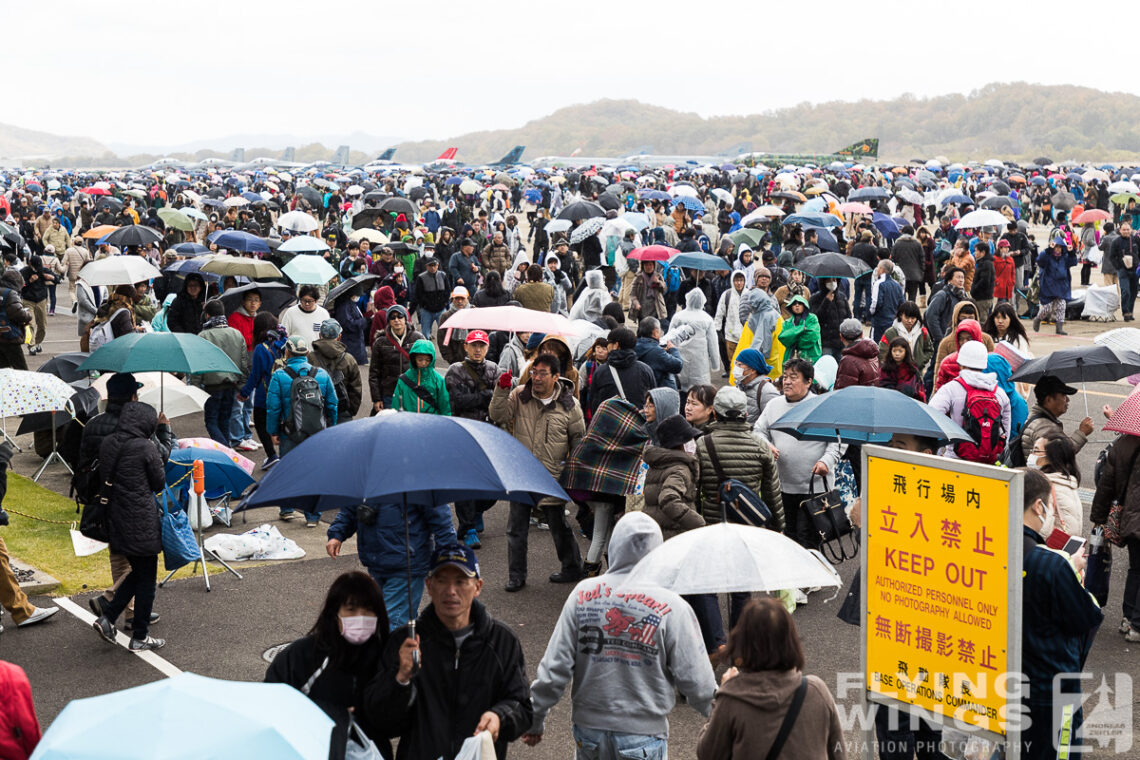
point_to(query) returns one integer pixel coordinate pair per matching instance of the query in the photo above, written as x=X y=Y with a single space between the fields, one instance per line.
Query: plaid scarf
x=608 y=457
x=219 y=321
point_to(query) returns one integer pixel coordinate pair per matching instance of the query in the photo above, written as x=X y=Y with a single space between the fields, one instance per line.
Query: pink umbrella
x=1126 y=418
x=854 y=208
x=508 y=319
x=653 y=253
x=1093 y=215
x=210 y=443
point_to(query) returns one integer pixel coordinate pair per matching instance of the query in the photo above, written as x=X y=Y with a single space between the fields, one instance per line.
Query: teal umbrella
x=309 y=270
x=159 y=352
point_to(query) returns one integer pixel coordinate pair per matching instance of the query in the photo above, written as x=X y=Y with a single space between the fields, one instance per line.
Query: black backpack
x=85 y=483
x=338 y=384
x=1014 y=455
x=307 y=405
x=10 y=331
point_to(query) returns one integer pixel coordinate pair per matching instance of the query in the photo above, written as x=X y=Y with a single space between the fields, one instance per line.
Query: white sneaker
x=41 y=614
x=246 y=445
x=801 y=598
x=252 y=443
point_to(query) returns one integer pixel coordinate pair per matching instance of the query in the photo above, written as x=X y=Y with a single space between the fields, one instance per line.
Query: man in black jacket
x=121 y=388
x=982 y=288
x=635 y=376
x=13 y=318
x=431 y=293
x=1125 y=258
x=462 y=674
x=908 y=255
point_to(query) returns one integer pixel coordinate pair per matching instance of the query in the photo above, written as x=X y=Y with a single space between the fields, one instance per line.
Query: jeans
x=394 y=589
x=518 y=530
x=287 y=445
x=862 y=297
x=51 y=298
x=707 y=609
x=1128 y=282
x=140 y=584
x=239 y=420
x=217 y=411
x=904 y=742
x=593 y=744
x=427 y=320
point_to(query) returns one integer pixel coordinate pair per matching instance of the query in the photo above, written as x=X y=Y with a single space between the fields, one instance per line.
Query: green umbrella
x=1121 y=199
x=159 y=352
x=176 y=219
x=746 y=235
x=309 y=270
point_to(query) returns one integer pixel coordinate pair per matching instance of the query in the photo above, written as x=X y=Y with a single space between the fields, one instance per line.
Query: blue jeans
x=217 y=411
x=427 y=320
x=862 y=297
x=593 y=744
x=707 y=609
x=1128 y=283
x=394 y=588
x=239 y=421
x=51 y=298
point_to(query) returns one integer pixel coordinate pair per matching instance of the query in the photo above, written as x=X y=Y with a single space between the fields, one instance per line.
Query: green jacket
x=404 y=398
x=232 y=343
x=801 y=340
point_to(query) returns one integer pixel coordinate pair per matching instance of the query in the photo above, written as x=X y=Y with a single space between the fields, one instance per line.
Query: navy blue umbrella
x=885 y=225
x=220 y=471
x=703 y=261
x=956 y=198
x=190 y=249
x=236 y=240
x=824 y=238
x=869 y=193
x=860 y=414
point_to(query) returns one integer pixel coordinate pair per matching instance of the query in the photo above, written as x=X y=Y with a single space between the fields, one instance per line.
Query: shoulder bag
x=739 y=504
x=829 y=518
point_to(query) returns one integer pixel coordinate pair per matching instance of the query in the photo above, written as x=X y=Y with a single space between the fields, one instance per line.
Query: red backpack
x=981 y=419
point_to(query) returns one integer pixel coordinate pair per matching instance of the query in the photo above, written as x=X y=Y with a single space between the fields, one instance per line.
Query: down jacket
x=743 y=457
x=859 y=365
x=331 y=355
x=102 y=425
x=382 y=547
x=129 y=460
x=470 y=387
x=1119 y=477
x=388 y=362
x=671 y=489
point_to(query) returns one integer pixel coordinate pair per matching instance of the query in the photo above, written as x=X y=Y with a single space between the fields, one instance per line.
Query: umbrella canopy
x=587 y=228
x=237 y=266
x=297 y=221
x=359 y=465
x=23 y=392
x=983 y=217
x=133 y=234
x=236 y=240
x=1082 y=364
x=100 y=232
x=309 y=270
x=653 y=253
x=190 y=249
x=814 y=219
x=998 y=201
x=956 y=199
x=400 y=206
x=1126 y=418
x=275 y=296
x=869 y=193
x=469 y=187
x=854 y=208
x=169 y=719
x=1092 y=216
x=160 y=352
x=702 y=261
x=510 y=319
x=726 y=557
x=66 y=366
x=118 y=270
x=220 y=471
x=172 y=217
x=369 y=234
x=859 y=414
x=745 y=235
x=581 y=210
x=84 y=403
x=352 y=284
x=832 y=265
x=303 y=244
x=1064 y=200
x=175 y=401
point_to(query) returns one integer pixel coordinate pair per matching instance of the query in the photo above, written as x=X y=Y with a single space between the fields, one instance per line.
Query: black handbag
x=96 y=513
x=830 y=519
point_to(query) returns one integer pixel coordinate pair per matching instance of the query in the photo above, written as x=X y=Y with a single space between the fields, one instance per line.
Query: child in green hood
x=421 y=388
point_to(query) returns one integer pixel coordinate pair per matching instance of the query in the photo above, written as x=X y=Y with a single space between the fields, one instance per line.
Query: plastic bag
x=84 y=546
x=479 y=747
x=263 y=542
x=359 y=746
x=179 y=546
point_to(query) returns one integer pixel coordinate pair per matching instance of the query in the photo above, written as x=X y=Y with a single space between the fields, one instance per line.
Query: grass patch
x=47 y=546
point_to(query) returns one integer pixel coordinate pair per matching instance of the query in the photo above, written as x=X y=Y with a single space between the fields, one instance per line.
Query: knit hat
x=534 y=341
x=297 y=345
x=730 y=402
x=753 y=359
x=330 y=328
x=851 y=329
x=675 y=431
x=397 y=309
x=972 y=355
x=761 y=272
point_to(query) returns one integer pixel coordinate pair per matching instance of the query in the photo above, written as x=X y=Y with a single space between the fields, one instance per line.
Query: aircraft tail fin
x=737 y=150
x=386 y=155
x=289 y=154
x=448 y=155
x=340 y=158
x=865 y=148
x=238 y=156
x=512 y=157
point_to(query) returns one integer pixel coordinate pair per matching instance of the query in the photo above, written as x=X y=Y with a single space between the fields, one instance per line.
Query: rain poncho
x=762 y=322
x=701 y=353
x=593 y=299
x=800 y=333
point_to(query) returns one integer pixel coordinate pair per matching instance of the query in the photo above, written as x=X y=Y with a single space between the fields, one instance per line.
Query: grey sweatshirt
x=628 y=648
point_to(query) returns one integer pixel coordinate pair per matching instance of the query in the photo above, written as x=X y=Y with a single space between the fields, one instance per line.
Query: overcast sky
x=161 y=72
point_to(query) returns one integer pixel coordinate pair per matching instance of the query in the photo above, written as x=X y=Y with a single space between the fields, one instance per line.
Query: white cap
x=972 y=355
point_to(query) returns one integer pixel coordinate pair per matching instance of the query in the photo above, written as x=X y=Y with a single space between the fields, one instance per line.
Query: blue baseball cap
x=460 y=557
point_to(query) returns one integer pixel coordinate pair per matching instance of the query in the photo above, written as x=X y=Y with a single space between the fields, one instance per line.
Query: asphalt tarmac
x=224 y=633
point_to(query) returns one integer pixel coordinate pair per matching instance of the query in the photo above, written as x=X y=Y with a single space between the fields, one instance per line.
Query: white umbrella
x=1096 y=174
x=297 y=221
x=557 y=225
x=983 y=217
x=1124 y=186
x=309 y=270
x=23 y=392
x=762 y=214
x=194 y=213
x=723 y=195
x=118 y=270
x=237 y=200
x=679 y=190
x=176 y=401
x=304 y=244
x=726 y=557
x=373 y=236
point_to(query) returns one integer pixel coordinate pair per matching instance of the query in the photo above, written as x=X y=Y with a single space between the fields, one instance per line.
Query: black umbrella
x=349 y=285
x=65 y=366
x=312 y=195
x=85 y=402
x=275 y=296
x=1000 y=187
x=998 y=201
x=1082 y=364
x=108 y=202
x=609 y=201
x=376 y=195
x=418 y=192
x=1042 y=161
x=581 y=210
x=1064 y=200
x=399 y=247
x=133 y=234
x=400 y=206
x=832 y=265
x=367 y=217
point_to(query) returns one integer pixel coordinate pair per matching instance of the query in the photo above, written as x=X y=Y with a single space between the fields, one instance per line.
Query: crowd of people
x=671 y=381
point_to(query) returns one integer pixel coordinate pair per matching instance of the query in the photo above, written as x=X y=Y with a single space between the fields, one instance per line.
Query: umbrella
x=236 y=266
x=172 y=217
x=908 y=196
x=469 y=187
x=221 y=472
x=349 y=285
x=1121 y=199
x=690 y=203
x=176 y=400
x=869 y=194
x=1064 y=200
x=84 y=403
x=369 y=234
x=169 y=720
x=236 y=240
x=789 y=195
x=581 y=210
x=118 y=270
x=702 y=261
x=824 y=239
x=956 y=199
x=721 y=194
x=66 y=366
x=763 y=214
x=309 y=270
x=653 y=253
x=982 y=217
x=275 y=296
x=611 y=202
x=297 y=221
x=727 y=557
x=586 y=229
x=235 y=201
x=814 y=219
x=832 y=265
x=1082 y=364
x=998 y=201
x=190 y=249
x=1124 y=186
x=303 y=244
x=746 y=235
x=400 y=206
x=241 y=461
x=1126 y=418
x=885 y=225
x=635 y=219
x=1092 y=215
x=133 y=234
x=860 y=414
x=855 y=208
x=159 y=352
x=23 y=392
x=510 y=319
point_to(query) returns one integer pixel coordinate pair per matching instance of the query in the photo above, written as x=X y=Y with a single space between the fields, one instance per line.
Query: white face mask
x=832 y=285
x=358 y=629
x=1031 y=461
x=1048 y=523
x=737 y=373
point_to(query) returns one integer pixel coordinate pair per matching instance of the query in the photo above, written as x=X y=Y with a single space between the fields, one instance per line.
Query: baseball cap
x=478 y=336
x=459 y=557
x=1050 y=384
x=730 y=401
x=122 y=385
x=460 y=291
x=297 y=345
x=851 y=328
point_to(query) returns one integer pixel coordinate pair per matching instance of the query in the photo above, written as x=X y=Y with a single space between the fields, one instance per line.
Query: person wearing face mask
x=830 y=307
x=750 y=374
x=1058 y=620
x=1055 y=457
x=332 y=664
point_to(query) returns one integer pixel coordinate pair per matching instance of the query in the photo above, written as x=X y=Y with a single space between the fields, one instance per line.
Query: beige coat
x=1068 y=502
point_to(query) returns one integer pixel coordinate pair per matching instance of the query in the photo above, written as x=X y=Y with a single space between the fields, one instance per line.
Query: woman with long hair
x=335 y=661
x=1003 y=325
x=1056 y=457
x=899 y=372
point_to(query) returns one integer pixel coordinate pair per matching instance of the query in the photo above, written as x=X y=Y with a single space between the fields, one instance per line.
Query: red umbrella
x=1126 y=418
x=1091 y=216
x=94 y=191
x=653 y=253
